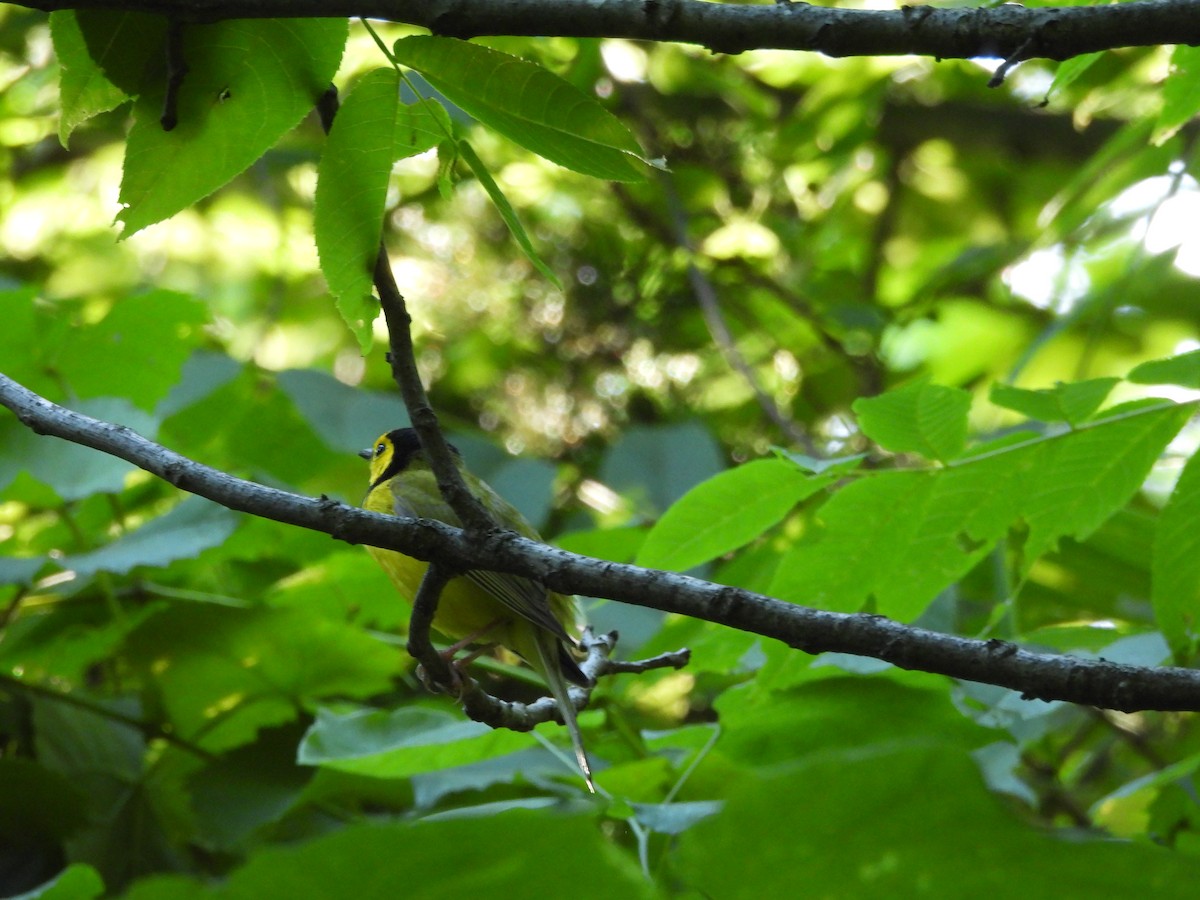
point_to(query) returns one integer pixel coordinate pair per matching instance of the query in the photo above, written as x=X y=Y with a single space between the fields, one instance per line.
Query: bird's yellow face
x=380 y=456
x=393 y=453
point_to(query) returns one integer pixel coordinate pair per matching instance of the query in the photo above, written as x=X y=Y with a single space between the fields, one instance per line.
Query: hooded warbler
x=478 y=607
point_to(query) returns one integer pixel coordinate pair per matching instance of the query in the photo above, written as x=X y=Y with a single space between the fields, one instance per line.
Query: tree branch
x=1008 y=31
x=1035 y=675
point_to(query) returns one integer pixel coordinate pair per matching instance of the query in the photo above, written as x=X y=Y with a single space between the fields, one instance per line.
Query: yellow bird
x=485 y=607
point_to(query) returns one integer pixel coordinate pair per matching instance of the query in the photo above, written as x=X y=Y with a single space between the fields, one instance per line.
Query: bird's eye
x=379 y=448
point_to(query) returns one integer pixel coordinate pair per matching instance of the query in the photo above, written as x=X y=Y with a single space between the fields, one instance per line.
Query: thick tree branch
x=1008 y=31
x=1035 y=675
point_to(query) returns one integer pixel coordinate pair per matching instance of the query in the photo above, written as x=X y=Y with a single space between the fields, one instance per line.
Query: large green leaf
x=194 y=525
x=136 y=351
x=924 y=418
x=527 y=104
x=520 y=853
x=402 y=743
x=371 y=131
x=72 y=470
x=916 y=819
x=223 y=673
x=725 y=512
x=900 y=537
x=249 y=81
x=1176 y=586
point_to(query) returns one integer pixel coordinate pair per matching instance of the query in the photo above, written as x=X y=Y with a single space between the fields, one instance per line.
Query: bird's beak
x=366 y=454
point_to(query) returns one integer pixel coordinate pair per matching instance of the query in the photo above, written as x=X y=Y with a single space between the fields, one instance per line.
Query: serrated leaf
x=924 y=418
x=1183 y=370
x=1175 y=590
x=1181 y=93
x=1072 y=402
x=901 y=537
x=527 y=104
x=83 y=87
x=194 y=525
x=249 y=81
x=467 y=152
x=725 y=512
x=371 y=130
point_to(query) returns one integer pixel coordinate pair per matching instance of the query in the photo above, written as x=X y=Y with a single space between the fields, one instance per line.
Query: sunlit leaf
x=248 y=82
x=1176 y=586
x=900 y=537
x=725 y=512
x=1183 y=370
x=1181 y=93
x=929 y=419
x=527 y=104
x=371 y=130
x=84 y=88
x=1072 y=402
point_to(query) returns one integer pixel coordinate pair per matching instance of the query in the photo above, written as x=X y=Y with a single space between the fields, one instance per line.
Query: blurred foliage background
x=179 y=685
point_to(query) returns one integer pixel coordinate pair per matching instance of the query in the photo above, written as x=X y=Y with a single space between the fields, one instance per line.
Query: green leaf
x=1181 y=93
x=725 y=512
x=507 y=213
x=659 y=464
x=222 y=673
x=371 y=130
x=527 y=104
x=247 y=788
x=78 y=881
x=194 y=525
x=72 y=470
x=346 y=418
x=901 y=537
x=1183 y=370
x=1175 y=590
x=1069 y=70
x=249 y=81
x=614 y=544
x=1072 y=402
x=83 y=88
x=675 y=818
x=403 y=742
x=977 y=837
x=924 y=418
x=136 y=351
x=519 y=853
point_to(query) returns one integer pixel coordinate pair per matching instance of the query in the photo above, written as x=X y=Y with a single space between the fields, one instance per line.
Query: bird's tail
x=548 y=648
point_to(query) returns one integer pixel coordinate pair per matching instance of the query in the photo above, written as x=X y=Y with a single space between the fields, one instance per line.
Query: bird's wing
x=526 y=598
